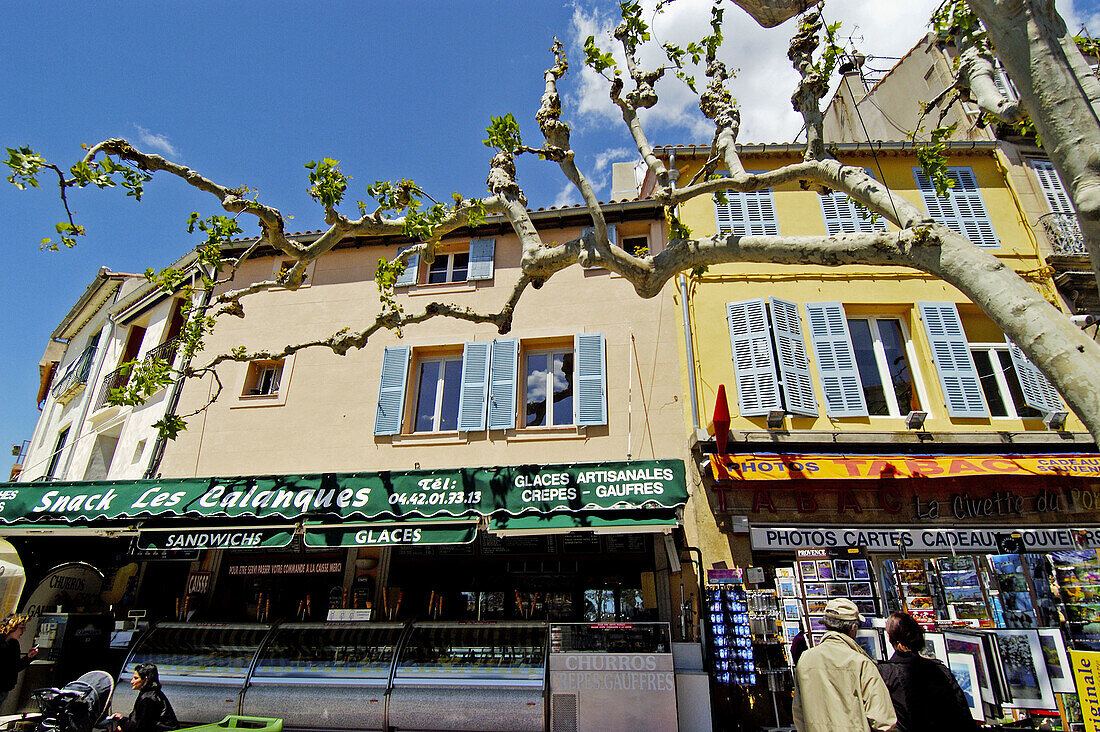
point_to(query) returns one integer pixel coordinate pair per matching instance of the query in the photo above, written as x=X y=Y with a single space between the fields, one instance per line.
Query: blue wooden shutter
x=1051 y=182
x=1039 y=393
x=412 y=268
x=591 y=379
x=842 y=216
x=748 y=213
x=475 y=386
x=391 y=391
x=962 y=210
x=481 y=259
x=962 y=388
x=836 y=360
x=753 y=361
x=612 y=237
x=794 y=367
x=503 y=369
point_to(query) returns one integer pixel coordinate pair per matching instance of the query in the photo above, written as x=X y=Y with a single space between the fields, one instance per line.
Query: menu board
x=492 y=545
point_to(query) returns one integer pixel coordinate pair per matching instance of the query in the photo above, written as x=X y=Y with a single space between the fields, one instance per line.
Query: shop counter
x=334 y=674
x=203 y=668
x=471 y=676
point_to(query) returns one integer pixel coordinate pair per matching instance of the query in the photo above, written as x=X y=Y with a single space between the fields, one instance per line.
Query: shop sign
x=253 y=538
x=424 y=493
x=919 y=539
x=766 y=466
x=277 y=568
x=1086 y=671
x=391 y=535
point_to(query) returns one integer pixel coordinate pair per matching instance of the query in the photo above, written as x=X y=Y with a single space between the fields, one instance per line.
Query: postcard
x=824 y=569
x=860 y=569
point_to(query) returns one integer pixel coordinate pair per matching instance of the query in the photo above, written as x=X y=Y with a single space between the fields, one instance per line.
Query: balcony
x=118 y=378
x=1064 y=234
x=72 y=380
x=19 y=452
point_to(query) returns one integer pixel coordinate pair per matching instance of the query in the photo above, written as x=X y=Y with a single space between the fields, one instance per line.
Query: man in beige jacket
x=837 y=685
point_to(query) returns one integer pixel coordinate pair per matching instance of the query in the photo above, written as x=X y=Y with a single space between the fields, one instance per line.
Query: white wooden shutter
x=1049 y=179
x=842 y=216
x=836 y=360
x=962 y=388
x=503 y=376
x=481 y=259
x=612 y=237
x=794 y=366
x=391 y=391
x=412 y=268
x=753 y=361
x=475 y=386
x=1039 y=393
x=962 y=210
x=745 y=214
x=591 y=380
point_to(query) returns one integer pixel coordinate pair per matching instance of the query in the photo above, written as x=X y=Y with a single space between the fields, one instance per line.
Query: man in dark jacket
x=925 y=693
x=12 y=660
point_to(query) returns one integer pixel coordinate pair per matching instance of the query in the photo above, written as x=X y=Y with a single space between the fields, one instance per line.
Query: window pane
x=461 y=267
x=897 y=363
x=425 y=397
x=1013 y=380
x=989 y=383
x=563 y=388
x=437 y=272
x=868 y=367
x=537 y=380
x=452 y=385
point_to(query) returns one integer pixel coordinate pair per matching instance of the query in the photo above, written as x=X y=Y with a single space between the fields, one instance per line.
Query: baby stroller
x=76 y=707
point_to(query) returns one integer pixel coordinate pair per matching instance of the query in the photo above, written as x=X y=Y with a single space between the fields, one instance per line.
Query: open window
x=265 y=382
x=454 y=263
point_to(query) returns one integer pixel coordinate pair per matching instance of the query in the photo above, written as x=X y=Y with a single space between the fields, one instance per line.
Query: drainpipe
x=173 y=402
x=674 y=175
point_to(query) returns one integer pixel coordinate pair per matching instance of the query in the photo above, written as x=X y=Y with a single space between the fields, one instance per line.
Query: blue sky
x=247 y=92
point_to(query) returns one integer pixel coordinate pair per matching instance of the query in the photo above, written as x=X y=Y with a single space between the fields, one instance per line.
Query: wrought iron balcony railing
x=74 y=377
x=121 y=376
x=1064 y=233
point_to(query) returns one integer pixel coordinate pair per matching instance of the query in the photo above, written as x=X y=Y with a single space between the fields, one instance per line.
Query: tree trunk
x=1059 y=92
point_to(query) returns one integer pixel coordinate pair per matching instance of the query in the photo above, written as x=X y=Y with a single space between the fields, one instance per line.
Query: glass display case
x=333 y=650
x=503 y=651
x=184 y=650
x=470 y=676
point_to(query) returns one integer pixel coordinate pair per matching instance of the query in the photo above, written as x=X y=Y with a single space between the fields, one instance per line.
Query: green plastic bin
x=259 y=724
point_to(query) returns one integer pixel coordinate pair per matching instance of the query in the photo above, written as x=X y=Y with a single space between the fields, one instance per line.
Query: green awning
x=616 y=522
x=403 y=534
x=388 y=496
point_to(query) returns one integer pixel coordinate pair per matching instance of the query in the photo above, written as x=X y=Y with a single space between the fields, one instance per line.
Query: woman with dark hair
x=152 y=710
x=925 y=693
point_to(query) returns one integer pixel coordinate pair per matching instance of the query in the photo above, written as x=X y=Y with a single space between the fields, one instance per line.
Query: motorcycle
x=79 y=706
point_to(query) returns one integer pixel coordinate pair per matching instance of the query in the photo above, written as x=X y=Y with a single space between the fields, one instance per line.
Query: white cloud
x=567 y=196
x=617 y=155
x=157 y=142
x=765 y=81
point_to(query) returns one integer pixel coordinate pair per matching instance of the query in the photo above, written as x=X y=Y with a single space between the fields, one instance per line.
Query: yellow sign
x=766 y=466
x=1086 y=671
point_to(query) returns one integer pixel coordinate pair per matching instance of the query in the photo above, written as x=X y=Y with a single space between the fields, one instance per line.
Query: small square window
x=445 y=268
x=263 y=378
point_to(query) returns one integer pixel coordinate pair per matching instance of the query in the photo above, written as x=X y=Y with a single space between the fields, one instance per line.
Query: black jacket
x=152 y=713
x=11 y=663
x=926 y=695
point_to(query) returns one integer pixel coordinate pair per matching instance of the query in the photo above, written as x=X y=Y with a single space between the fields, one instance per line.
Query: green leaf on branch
x=24 y=164
x=503 y=133
x=170 y=427
x=599 y=61
x=932 y=156
x=326 y=183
